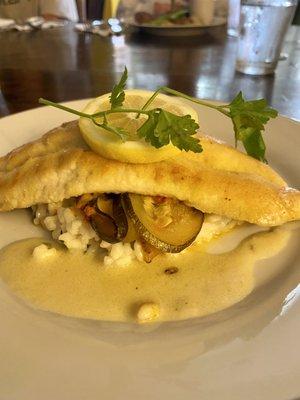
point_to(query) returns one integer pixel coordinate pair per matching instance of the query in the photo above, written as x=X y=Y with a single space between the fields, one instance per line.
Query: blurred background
x=211 y=49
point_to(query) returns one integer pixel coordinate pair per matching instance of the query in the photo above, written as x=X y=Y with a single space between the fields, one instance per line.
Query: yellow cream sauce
x=193 y=283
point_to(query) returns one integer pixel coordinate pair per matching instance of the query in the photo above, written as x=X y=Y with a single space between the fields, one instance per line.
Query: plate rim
x=206 y=355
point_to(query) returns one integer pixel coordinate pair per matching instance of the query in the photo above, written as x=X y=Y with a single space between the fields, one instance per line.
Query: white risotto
x=68 y=225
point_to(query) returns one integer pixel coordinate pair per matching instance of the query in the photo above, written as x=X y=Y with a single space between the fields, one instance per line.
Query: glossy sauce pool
x=190 y=284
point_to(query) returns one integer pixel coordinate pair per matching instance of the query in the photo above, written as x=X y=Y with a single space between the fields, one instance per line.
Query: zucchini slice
x=165 y=223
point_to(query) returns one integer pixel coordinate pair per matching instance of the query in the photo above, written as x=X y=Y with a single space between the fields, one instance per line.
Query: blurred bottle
x=90 y=10
x=203 y=10
x=110 y=8
x=234 y=11
x=81 y=6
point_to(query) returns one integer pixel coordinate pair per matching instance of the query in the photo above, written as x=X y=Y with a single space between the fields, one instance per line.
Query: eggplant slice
x=105 y=227
x=120 y=217
x=107 y=218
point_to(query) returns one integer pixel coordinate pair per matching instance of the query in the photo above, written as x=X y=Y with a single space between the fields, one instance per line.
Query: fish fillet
x=220 y=180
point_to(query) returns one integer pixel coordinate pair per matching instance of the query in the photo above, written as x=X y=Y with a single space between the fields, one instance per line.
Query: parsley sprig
x=117 y=96
x=163 y=127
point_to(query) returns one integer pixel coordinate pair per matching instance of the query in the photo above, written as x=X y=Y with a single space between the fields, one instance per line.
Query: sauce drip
x=190 y=284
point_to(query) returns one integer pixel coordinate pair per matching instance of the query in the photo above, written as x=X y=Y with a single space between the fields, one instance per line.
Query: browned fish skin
x=218 y=155
x=59 y=166
x=64 y=137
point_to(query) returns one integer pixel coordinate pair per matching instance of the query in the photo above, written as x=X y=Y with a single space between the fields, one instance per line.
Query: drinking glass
x=263 y=25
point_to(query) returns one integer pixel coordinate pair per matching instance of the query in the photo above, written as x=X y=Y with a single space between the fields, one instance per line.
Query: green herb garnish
x=249 y=118
x=172 y=16
x=162 y=127
x=117 y=96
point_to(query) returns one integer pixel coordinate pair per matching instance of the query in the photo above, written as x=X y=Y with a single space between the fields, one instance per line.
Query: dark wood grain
x=62 y=64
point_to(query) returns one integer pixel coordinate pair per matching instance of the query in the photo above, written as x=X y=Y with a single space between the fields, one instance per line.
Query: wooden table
x=63 y=64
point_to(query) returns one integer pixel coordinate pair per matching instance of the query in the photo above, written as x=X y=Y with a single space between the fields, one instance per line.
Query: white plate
x=249 y=352
x=178 y=30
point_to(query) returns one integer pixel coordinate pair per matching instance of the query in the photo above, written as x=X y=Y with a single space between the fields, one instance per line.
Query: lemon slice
x=134 y=150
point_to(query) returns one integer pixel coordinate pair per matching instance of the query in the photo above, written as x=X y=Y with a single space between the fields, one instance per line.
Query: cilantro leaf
x=117 y=96
x=249 y=118
x=163 y=127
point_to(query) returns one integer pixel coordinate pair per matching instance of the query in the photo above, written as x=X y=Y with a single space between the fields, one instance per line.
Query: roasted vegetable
x=107 y=217
x=105 y=227
x=167 y=224
x=131 y=234
x=120 y=217
x=105 y=204
x=149 y=251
